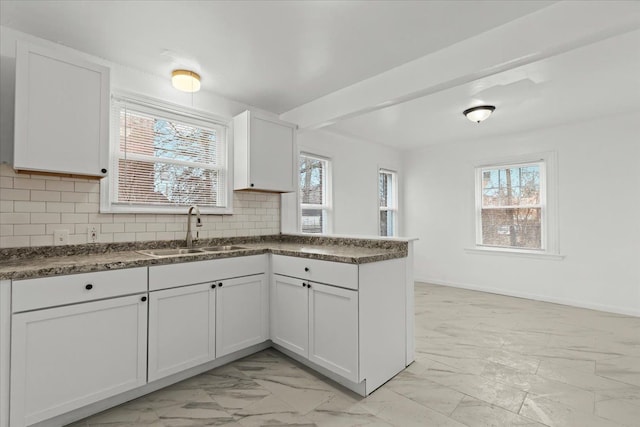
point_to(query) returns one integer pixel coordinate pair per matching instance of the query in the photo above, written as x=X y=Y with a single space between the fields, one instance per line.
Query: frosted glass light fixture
x=185 y=80
x=480 y=113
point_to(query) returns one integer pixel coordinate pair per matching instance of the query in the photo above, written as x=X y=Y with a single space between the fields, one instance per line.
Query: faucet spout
x=189 y=238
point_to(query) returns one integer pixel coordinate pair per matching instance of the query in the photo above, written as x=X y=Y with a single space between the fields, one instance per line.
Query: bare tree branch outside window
x=511 y=206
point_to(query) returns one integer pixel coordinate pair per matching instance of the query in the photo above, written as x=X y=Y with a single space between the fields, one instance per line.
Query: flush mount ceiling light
x=480 y=113
x=185 y=80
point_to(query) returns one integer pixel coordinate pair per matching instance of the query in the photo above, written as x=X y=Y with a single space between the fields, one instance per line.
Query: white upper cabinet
x=264 y=153
x=61 y=113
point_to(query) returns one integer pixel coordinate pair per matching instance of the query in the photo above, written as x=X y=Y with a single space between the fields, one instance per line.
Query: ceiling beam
x=553 y=30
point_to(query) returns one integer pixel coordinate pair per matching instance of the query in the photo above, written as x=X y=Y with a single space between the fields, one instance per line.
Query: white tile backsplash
x=33 y=206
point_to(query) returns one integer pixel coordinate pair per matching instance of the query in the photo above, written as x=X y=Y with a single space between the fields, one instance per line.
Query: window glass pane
x=312 y=220
x=386 y=223
x=314 y=197
x=511 y=186
x=167 y=162
x=164 y=183
x=312 y=175
x=387 y=201
x=512 y=227
x=385 y=187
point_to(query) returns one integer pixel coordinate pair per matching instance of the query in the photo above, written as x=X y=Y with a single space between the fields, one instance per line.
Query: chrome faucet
x=189 y=238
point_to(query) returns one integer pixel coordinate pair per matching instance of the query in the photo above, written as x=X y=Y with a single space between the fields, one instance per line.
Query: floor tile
x=619 y=410
x=302 y=399
x=426 y=392
x=535 y=385
x=581 y=379
x=555 y=414
x=344 y=411
x=629 y=394
x=477 y=413
x=623 y=369
x=493 y=392
x=401 y=411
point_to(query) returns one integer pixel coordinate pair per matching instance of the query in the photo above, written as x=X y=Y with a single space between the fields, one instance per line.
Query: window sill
x=514 y=253
x=161 y=210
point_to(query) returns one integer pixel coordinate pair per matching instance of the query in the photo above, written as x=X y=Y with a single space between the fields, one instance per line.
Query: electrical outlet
x=60 y=237
x=92 y=234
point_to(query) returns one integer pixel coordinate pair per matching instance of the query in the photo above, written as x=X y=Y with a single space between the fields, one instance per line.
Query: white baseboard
x=355 y=387
x=537 y=297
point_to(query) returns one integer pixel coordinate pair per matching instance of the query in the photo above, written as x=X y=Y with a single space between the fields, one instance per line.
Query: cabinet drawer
x=32 y=294
x=333 y=273
x=189 y=273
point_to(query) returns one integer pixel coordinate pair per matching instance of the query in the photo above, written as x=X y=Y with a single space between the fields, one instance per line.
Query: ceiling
x=274 y=55
x=398 y=73
x=593 y=81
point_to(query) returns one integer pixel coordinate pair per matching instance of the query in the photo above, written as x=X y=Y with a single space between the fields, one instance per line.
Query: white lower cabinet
x=181 y=328
x=80 y=339
x=242 y=313
x=333 y=329
x=66 y=357
x=290 y=314
x=318 y=322
x=197 y=323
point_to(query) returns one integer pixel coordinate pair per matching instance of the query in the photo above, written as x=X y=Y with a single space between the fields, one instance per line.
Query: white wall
x=355 y=165
x=599 y=216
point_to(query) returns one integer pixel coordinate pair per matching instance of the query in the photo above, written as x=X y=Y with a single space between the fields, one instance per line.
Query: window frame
x=327 y=191
x=167 y=111
x=395 y=208
x=548 y=206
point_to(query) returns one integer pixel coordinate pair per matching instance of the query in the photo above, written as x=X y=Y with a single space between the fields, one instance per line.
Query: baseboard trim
x=536 y=297
x=358 y=388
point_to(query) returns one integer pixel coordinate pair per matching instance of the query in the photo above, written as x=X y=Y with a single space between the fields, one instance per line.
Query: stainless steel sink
x=222 y=248
x=163 y=253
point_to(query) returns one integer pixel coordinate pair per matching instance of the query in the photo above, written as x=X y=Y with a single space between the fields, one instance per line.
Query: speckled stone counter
x=24 y=263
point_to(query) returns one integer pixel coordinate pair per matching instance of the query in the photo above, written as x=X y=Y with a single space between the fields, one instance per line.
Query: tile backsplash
x=32 y=207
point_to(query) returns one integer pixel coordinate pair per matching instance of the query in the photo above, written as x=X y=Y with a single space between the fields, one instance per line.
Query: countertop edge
x=148 y=261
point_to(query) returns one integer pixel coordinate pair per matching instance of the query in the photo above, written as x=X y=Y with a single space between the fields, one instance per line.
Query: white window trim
x=178 y=112
x=548 y=187
x=396 y=207
x=328 y=192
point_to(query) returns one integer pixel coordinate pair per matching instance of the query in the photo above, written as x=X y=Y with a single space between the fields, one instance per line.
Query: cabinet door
x=61 y=114
x=68 y=357
x=290 y=314
x=333 y=329
x=181 y=329
x=242 y=313
x=271 y=155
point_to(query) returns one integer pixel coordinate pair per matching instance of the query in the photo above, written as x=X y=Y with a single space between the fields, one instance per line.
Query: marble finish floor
x=481 y=360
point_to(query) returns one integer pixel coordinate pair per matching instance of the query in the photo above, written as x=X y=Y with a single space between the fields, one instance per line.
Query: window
x=388 y=196
x=315 y=194
x=164 y=160
x=510 y=206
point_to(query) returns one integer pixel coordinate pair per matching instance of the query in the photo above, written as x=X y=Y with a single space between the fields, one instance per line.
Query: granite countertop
x=24 y=263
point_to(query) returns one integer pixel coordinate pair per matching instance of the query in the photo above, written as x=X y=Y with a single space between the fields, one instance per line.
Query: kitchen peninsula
x=342 y=306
